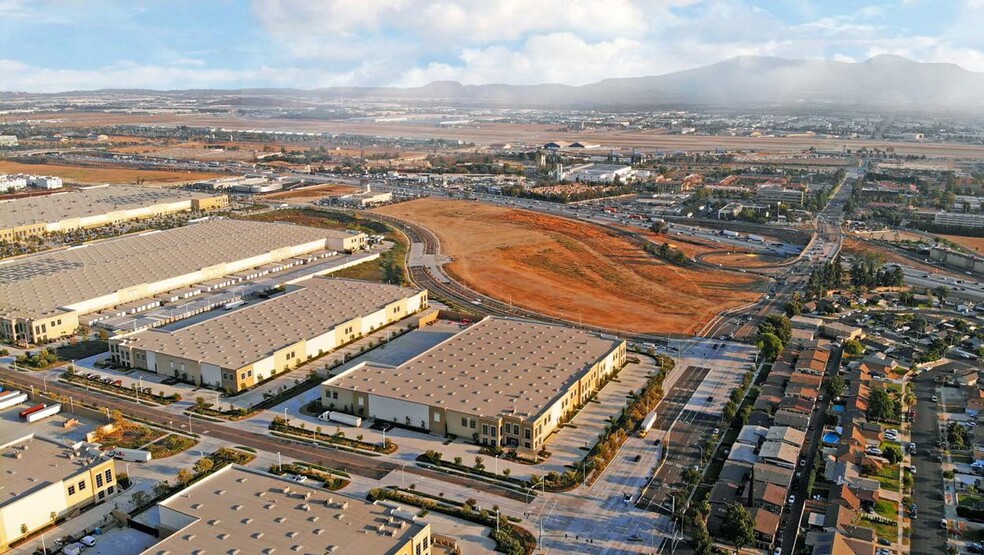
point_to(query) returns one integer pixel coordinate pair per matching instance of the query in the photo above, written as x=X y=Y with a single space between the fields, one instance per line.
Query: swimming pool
x=831 y=437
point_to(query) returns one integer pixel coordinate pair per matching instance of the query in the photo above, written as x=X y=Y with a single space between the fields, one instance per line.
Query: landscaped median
x=333 y=480
x=509 y=538
x=146 y=394
x=279 y=426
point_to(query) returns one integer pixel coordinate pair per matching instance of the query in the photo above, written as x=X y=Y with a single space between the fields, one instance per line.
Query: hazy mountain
x=883 y=81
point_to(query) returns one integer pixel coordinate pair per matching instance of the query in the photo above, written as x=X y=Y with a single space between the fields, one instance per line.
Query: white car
x=88 y=541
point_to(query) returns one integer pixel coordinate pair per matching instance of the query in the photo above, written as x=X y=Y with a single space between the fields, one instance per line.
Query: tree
x=201 y=404
x=691 y=476
x=778 y=325
x=942 y=292
x=700 y=540
x=479 y=465
x=881 y=406
x=738 y=527
x=892 y=453
x=769 y=346
x=117 y=417
x=835 y=386
x=162 y=488
x=185 y=476
x=853 y=347
x=204 y=465
x=139 y=498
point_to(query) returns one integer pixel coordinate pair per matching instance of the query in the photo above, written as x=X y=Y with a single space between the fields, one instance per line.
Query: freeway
x=360 y=465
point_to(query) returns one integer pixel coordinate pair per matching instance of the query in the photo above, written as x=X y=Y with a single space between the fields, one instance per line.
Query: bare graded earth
x=79 y=174
x=572 y=269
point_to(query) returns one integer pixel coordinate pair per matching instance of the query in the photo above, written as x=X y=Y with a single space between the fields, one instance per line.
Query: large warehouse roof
x=499 y=366
x=41 y=462
x=37 y=285
x=84 y=203
x=237 y=507
x=235 y=339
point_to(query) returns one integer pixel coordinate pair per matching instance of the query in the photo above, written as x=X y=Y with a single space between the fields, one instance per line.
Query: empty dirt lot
x=311 y=194
x=975 y=244
x=572 y=269
x=76 y=174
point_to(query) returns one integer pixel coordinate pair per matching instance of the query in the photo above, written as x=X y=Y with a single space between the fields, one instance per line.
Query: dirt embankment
x=572 y=269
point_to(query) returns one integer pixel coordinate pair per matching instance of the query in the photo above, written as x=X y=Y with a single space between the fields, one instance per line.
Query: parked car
x=88 y=541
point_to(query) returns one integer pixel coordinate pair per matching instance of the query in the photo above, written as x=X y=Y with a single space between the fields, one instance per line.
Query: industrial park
x=310 y=305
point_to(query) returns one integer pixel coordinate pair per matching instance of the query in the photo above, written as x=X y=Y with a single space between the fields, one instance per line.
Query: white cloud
x=316 y=43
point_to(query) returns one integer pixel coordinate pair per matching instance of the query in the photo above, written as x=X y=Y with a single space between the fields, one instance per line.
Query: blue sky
x=179 y=44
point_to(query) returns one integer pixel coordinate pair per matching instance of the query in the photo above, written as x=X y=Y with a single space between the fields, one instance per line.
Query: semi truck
x=50 y=410
x=729 y=233
x=131 y=455
x=647 y=424
x=11 y=398
x=27 y=412
x=341 y=418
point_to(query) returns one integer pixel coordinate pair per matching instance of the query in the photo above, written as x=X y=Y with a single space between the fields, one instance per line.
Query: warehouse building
x=238 y=349
x=42 y=477
x=42 y=296
x=503 y=382
x=237 y=506
x=95 y=207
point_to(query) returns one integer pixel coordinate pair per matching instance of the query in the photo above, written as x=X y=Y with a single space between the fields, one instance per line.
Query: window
x=361 y=402
x=471 y=424
x=110 y=490
x=242 y=376
x=526 y=444
x=437 y=417
x=464 y=422
x=99 y=480
x=81 y=485
x=71 y=490
x=250 y=373
x=109 y=476
x=102 y=494
x=485 y=429
x=334 y=395
x=420 y=548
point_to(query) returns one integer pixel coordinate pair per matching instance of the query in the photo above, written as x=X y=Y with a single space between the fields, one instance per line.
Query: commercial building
x=11 y=183
x=957 y=219
x=94 y=207
x=237 y=507
x=238 y=349
x=45 y=182
x=779 y=194
x=600 y=173
x=503 y=382
x=42 y=477
x=42 y=296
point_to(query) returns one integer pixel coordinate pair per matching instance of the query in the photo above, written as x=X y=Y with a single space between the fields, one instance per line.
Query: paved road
x=927 y=535
x=353 y=463
x=793 y=512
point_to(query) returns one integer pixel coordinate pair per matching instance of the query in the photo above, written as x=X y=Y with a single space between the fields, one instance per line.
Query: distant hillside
x=883 y=82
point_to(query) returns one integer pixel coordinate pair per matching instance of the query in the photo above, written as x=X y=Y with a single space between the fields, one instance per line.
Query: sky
x=57 y=45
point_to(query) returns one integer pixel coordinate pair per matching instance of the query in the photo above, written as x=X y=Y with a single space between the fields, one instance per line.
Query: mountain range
x=880 y=82
x=883 y=82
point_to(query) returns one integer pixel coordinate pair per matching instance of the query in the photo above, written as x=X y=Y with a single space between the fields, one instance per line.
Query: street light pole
x=280 y=462
x=189 y=422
